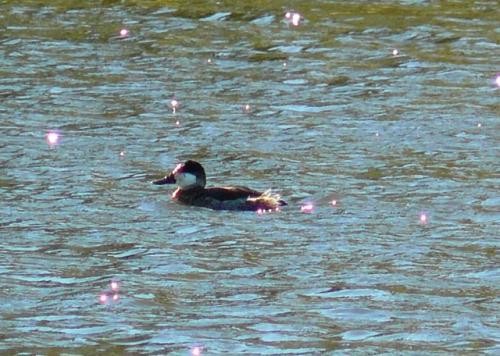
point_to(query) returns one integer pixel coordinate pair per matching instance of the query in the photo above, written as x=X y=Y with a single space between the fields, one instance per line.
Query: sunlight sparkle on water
x=124 y=33
x=423 y=218
x=103 y=298
x=174 y=105
x=395 y=52
x=334 y=202
x=497 y=80
x=247 y=108
x=111 y=295
x=52 y=138
x=293 y=18
x=307 y=208
x=196 y=350
x=261 y=211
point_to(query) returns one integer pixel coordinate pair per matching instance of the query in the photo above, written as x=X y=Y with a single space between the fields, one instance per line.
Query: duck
x=191 y=179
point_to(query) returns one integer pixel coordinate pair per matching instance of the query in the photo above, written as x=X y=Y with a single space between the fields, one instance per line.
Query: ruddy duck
x=191 y=179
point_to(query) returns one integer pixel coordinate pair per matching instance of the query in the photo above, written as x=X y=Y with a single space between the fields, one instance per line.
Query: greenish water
x=406 y=143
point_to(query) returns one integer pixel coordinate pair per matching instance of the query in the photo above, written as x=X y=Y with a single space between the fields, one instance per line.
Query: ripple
x=357 y=314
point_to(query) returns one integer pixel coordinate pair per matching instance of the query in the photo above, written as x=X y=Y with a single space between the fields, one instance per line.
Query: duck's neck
x=194 y=191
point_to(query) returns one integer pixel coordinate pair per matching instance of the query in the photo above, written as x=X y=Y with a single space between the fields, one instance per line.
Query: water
x=332 y=114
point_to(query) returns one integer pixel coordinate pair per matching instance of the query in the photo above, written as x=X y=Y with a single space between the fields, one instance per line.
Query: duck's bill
x=170 y=179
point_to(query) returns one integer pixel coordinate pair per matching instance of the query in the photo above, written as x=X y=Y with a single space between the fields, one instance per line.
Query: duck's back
x=231 y=193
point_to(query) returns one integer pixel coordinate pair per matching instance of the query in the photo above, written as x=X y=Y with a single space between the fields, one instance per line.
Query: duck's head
x=187 y=175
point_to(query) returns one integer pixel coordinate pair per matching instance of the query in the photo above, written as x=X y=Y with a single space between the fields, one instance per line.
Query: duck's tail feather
x=266 y=201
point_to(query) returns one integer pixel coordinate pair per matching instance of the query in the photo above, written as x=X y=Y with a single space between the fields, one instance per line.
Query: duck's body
x=190 y=178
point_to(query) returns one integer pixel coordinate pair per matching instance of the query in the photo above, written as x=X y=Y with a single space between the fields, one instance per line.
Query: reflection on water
x=377 y=122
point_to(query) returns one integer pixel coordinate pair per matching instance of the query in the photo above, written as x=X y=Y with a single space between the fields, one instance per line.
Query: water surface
x=334 y=114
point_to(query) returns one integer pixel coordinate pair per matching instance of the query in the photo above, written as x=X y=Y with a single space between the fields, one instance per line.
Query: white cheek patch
x=185 y=180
